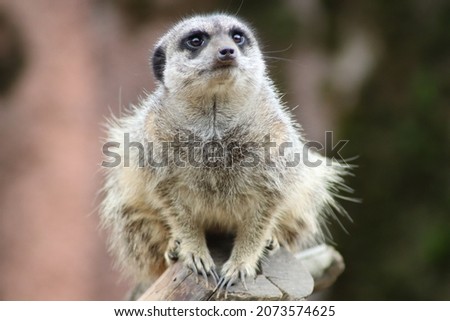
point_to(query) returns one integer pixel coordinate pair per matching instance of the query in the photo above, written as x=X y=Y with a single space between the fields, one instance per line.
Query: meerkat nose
x=226 y=54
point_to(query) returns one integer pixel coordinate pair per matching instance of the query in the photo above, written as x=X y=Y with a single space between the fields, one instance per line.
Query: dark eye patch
x=194 y=40
x=239 y=37
x=159 y=63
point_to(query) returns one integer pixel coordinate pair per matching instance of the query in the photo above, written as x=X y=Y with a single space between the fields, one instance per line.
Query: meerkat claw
x=242 y=277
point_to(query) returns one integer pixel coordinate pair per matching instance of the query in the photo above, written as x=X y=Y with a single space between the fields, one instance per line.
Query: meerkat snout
x=226 y=55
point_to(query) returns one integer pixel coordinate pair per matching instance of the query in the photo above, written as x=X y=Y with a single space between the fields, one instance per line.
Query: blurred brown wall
x=80 y=60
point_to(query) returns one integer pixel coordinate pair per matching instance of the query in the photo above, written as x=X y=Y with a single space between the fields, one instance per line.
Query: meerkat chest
x=223 y=158
x=228 y=168
x=219 y=153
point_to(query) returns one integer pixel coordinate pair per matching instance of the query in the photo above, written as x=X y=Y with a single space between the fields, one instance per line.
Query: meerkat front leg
x=249 y=248
x=188 y=243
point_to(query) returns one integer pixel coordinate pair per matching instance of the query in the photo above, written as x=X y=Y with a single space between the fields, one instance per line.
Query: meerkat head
x=207 y=54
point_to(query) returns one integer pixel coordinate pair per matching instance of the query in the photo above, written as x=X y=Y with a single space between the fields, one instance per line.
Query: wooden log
x=283 y=276
x=324 y=264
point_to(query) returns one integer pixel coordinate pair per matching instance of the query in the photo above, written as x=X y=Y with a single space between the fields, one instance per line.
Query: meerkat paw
x=272 y=245
x=233 y=272
x=200 y=262
x=173 y=252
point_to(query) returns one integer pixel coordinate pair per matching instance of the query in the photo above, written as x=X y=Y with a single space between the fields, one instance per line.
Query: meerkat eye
x=195 y=41
x=238 y=38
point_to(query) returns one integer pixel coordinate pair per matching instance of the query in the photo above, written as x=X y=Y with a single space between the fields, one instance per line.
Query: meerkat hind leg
x=173 y=251
x=272 y=245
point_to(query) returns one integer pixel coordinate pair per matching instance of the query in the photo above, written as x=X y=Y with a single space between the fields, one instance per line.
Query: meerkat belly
x=221 y=197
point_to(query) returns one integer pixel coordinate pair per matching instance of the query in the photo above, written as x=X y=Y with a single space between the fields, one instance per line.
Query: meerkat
x=223 y=154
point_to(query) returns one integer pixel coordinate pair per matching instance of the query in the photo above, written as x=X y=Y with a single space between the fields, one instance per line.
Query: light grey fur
x=149 y=210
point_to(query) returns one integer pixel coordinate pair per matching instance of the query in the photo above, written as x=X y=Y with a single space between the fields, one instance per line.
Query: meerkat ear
x=159 y=63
